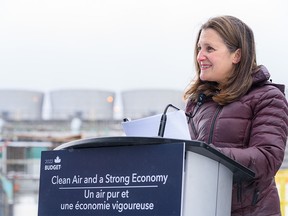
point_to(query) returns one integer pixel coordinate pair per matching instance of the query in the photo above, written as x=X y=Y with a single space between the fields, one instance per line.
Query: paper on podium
x=176 y=126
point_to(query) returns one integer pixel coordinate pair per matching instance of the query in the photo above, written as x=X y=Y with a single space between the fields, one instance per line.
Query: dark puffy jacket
x=252 y=131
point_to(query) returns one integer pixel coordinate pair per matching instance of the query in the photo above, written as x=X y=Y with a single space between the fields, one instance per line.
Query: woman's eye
x=210 y=49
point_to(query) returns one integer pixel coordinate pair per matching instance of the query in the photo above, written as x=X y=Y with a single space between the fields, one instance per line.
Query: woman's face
x=216 y=62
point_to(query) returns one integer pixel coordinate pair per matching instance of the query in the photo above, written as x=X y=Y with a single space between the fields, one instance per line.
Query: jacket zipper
x=195 y=110
x=239 y=183
x=193 y=128
x=219 y=108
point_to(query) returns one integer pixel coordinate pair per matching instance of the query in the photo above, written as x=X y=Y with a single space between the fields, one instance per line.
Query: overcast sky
x=124 y=44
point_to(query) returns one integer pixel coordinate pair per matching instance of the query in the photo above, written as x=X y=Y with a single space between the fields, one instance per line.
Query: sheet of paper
x=176 y=126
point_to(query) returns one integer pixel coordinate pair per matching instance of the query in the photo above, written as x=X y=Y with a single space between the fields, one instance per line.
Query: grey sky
x=123 y=44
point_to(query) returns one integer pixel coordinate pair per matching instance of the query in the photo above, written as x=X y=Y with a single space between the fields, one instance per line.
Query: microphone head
x=201 y=98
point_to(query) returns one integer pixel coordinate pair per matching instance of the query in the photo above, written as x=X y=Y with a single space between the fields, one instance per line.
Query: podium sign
x=119 y=180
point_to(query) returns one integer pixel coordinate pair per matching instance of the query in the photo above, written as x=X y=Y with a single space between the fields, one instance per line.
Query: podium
x=137 y=176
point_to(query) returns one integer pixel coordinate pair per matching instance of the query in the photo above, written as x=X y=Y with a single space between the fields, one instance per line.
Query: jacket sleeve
x=265 y=152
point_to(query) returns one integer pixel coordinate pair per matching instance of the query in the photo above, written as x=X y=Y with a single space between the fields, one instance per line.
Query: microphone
x=164 y=119
x=201 y=99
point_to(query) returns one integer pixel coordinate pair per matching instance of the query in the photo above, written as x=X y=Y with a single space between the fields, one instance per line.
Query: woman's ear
x=237 y=56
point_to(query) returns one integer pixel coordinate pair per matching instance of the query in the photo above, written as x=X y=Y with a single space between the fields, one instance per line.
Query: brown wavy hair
x=236 y=35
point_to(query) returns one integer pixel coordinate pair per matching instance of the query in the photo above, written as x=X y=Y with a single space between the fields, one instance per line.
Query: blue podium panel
x=109 y=181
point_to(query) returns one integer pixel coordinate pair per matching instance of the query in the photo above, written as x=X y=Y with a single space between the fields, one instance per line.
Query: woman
x=239 y=111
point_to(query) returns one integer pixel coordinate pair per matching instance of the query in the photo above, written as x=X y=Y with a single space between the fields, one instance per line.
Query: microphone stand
x=164 y=119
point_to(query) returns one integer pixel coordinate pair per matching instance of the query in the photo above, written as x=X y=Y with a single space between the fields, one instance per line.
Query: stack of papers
x=176 y=126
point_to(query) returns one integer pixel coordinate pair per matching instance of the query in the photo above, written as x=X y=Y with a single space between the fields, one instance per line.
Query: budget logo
x=53 y=164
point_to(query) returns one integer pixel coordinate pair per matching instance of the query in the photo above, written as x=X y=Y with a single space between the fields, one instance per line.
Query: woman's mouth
x=205 y=66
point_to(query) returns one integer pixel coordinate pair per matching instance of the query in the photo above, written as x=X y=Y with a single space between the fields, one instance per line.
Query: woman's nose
x=201 y=56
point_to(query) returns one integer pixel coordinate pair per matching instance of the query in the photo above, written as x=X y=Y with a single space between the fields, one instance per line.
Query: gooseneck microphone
x=201 y=100
x=162 y=125
x=164 y=119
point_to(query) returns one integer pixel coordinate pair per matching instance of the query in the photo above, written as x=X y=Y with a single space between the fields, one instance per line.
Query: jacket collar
x=261 y=76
